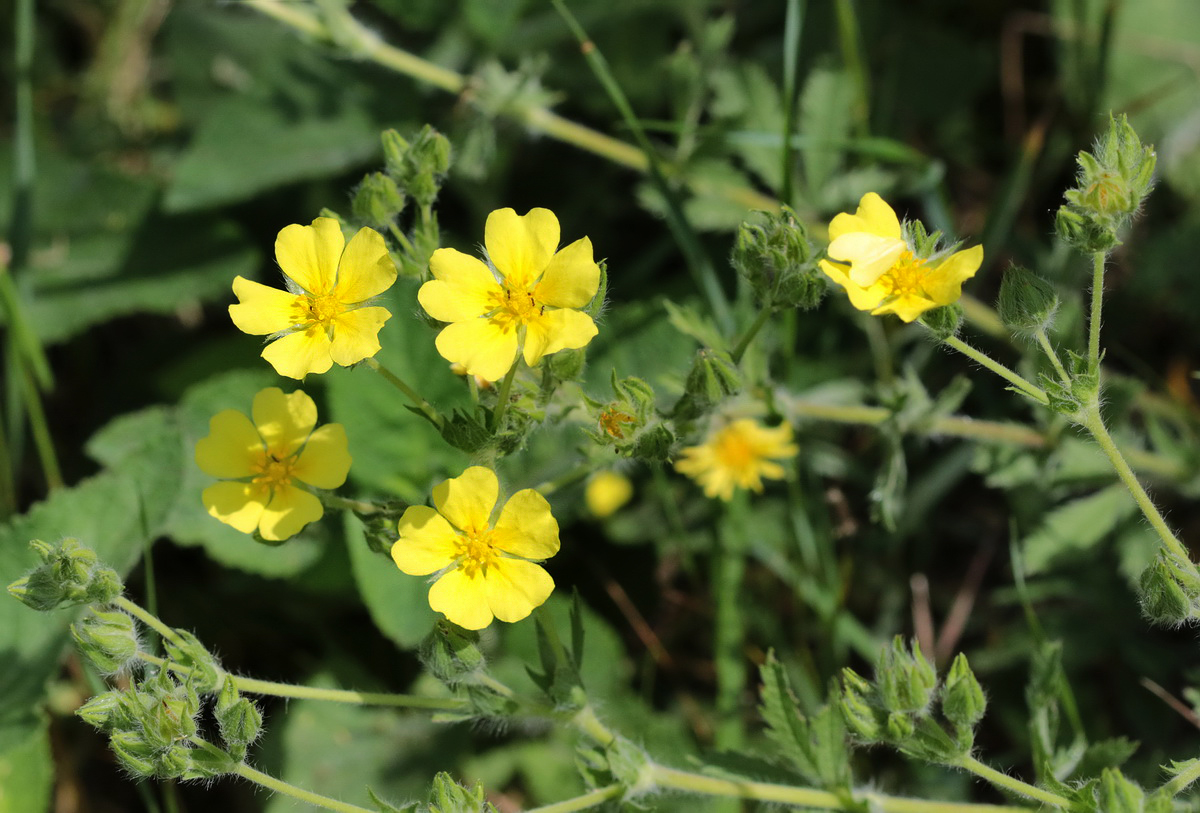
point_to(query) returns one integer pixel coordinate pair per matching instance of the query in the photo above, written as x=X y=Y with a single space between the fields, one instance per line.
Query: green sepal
x=69 y=575
x=378 y=201
x=107 y=638
x=945 y=321
x=102 y=711
x=206 y=764
x=1117 y=794
x=451 y=654
x=905 y=680
x=447 y=796
x=773 y=253
x=239 y=720
x=206 y=675
x=963 y=702
x=384 y=806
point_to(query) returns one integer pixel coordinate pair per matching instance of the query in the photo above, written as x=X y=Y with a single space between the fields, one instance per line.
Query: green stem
x=763 y=316
x=729 y=567
x=997 y=368
x=40 y=428
x=596 y=797
x=1044 y=341
x=502 y=396
x=149 y=619
x=345 y=504
x=1003 y=780
x=412 y=395
x=279 y=786
x=1176 y=785
x=586 y=721
x=1091 y=419
x=1097 y=309
x=848 y=40
x=402 y=240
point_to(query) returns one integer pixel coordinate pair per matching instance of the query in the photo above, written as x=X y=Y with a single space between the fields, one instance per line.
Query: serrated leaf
x=1077 y=526
x=815 y=746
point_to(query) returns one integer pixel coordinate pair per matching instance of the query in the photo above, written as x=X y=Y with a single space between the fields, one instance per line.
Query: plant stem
x=792 y=25
x=149 y=619
x=502 y=396
x=1176 y=785
x=40 y=428
x=357 y=506
x=1010 y=783
x=586 y=721
x=1097 y=308
x=997 y=368
x=1044 y=341
x=401 y=239
x=412 y=395
x=763 y=316
x=729 y=567
x=279 y=786
x=596 y=797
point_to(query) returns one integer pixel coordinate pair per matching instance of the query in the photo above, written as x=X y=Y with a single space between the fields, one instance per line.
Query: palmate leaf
x=815 y=746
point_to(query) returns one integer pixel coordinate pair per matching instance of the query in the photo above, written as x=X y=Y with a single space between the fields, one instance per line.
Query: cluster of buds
x=777 y=259
x=69 y=575
x=713 y=378
x=630 y=424
x=898 y=708
x=1113 y=181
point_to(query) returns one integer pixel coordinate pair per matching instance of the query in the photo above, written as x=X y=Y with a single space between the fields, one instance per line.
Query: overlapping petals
x=526 y=302
x=324 y=317
x=483 y=569
x=264 y=463
x=738 y=455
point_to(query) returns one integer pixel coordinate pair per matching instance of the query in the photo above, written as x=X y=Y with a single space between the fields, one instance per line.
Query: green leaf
x=1077 y=526
x=398 y=603
x=825 y=119
x=26 y=768
x=690 y=322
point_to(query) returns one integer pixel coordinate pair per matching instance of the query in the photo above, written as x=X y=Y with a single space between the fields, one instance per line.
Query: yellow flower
x=738 y=455
x=261 y=462
x=869 y=257
x=323 y=317
x=526 y=298
x=483 y=570
x=606 y=493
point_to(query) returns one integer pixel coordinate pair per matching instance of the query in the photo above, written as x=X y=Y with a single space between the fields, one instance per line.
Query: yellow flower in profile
x=738 y=455
x=483 y=569
x=869 y=257
x=265 y=463
x=323 y=317
x=526 y=298
x=606 y=492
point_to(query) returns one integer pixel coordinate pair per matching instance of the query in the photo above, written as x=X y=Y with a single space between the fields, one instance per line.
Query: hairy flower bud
x=712 y=379
x=963 y=702
x=101 y=711
x=188 y=651
x=238 y=719
x=775 y=256
x=904 y=678
x=107 y=638
x=69 y=574
x=1118 y=795
x=1027 y=302
x=943 y=322
x=451 y=653
x=1170 y=590
x=857 y=710
x=377 y=200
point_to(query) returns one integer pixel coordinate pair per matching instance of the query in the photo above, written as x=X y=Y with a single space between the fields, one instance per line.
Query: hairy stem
x=596 y=797
x=1003 y=780
x=998 y=368
x=412 y=395
x=1044 y=342
x=1097 y=308
x=279 y=786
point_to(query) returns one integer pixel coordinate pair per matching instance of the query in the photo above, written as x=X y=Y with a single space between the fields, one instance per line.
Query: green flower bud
x=567 y=365
x=654 y=444
x=1169 y=591
x=963 y=702
x=775 y=256
x=1083 y=234
x=1027 y=302
x=378 y=201
x=857 y=710
x=943 y=322
x=713 y=378
x=899 y=726
x=451 y=653
x=102 y=711
x=205 y=764
x=423 y=188
x=447 y=796
x=240 y=725
x=107 y=638
x=69 y=574
x=904 y=678
x=431 y=151
x=205 y=674
x=395 y=153
x=134 y=753
x=1117 y=794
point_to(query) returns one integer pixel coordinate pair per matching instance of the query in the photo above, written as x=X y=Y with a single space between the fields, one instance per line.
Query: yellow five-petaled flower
x=324 y=316
x=265 y=461
x=738 y=455
x=527 y=297
x=483 y=569
x=869 y=257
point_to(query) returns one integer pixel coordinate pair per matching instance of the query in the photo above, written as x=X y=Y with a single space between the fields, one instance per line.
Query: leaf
x=26 y=769
x=825 y=118
x=815 y=746
x=398 y=603
x=688 y=321
x=1077 y=526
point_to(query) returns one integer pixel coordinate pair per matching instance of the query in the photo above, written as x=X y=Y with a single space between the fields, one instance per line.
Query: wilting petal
x=356 y=334
x=284 y=421
x=468 y=499
x=325 y=460
x=262 y=310
x=526 y=527
x=521 y=246
x=427 y=542
x=462 y=599
x=562 y=329
x=571 y=278
x=309 y=254
x=462 y=288
x=290 y=509
x=231 y=448
x=514 y=588
x=944 y=283
x=869 y=256
x=238 y=504
x=366 y=269
x=298 y=354
x=484 y=347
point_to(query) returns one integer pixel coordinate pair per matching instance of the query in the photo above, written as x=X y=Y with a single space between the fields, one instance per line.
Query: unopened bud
x=943 y=322
x=451 y=653
x=134 y=753
x=189 y=652
x=377 y=200
x=101 y=711
x=963 y=702
x=905 y=679
x=606 y=492
x=1169 y=591
x=1027 y=302
x=857 y=710
x=567 y=365
x=1118 y=795
x=712 y=379
x=775 y=256
x=69 y=575
x=654 y=444
x=395 y=151
x=107 y=638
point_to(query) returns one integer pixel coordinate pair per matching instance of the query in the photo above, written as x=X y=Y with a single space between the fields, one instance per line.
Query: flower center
x=515 y=305
x=475 y=551
x=321 y=309
x=734 y=451
x=274 y=470
x=906 y=277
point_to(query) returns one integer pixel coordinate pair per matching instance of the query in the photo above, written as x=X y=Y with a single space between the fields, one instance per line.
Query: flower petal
x=462 y=599
x=284 y=421
x=907 y=307
x=298 y=354
x=325 y=460
x=869 y=256
x=521 y=246
x=309 y=254
x=231 y=448
x=238 y=504
x=262 y=310
x=944 y=283
x=366 y=269
x=468 y=499
x=462 y=287
x=878 y=216
x=427 y=542
x=526 y=527
x=289 y=510
x=562 y=329
x=571 y=279
x=864 y=299
x=484 y=347
x=356 y=334
x=514 y=588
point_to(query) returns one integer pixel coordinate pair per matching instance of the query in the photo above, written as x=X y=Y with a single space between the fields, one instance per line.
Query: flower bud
x=606 y=492
x=431 y=151
x=1081 y=233
x=943 y=322
x=102 y=711
x=1118 y=795
x=654 y=444
x=1169 y=591
x=713 y=378
x=567 y=365
x=395 y=151
x=857 y=710
x=107 y=638
x=69 y=574
x=205 y=674
x=963 y=702
x=904 y=678
x=378 y=201
x=1027 y=302
x=423 y=187
x=134 y=753
x=899 y=726
x=451 y=653
x=447 y=796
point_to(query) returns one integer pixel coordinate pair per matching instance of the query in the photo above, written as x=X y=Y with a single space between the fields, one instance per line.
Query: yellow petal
x=289 y=510
x=484 y=347
x=468 y=499
x=869 y=256
x=298 y=354
x=231 y=448
x=562 y=329
x=309 y=254
x=427 y=542
x=238 y=504
x=571 y=278
x=526 y=527
x=521 y=246
x=356 y=334
x=462 y=599
x=878 y=216
x=262 y=310
x=325 y=460
x=514 y=588
x=864 y=299
x=907 y=307
x=462 y=288
x=284 y=421
x=944 y=283
x=366 y=269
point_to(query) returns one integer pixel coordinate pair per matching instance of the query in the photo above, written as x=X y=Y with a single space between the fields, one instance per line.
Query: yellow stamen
x=906 y=277
x=475 y=551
